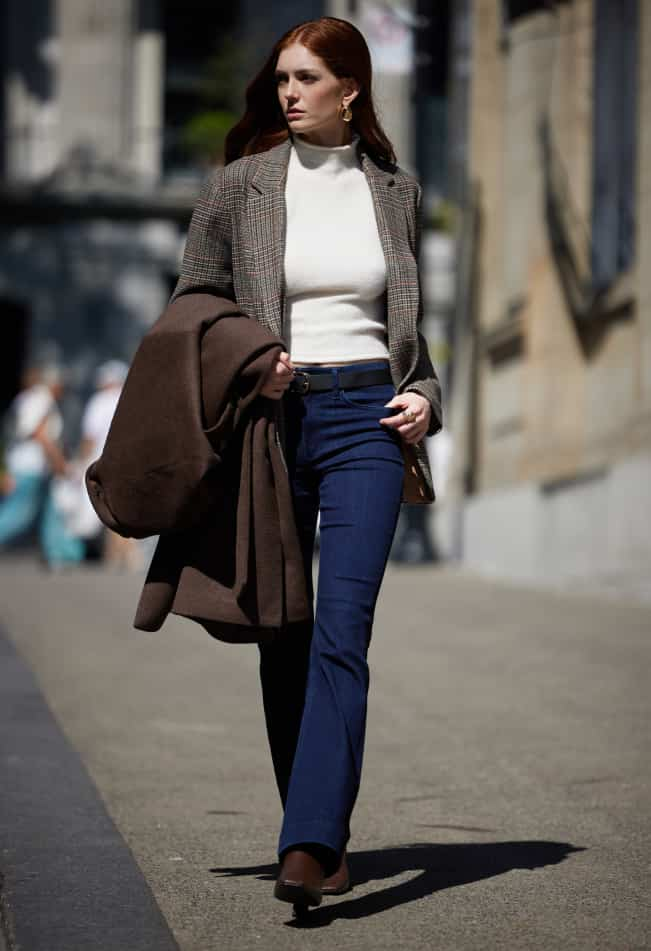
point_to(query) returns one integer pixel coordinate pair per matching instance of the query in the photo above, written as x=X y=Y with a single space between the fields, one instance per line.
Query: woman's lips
x=294 y=114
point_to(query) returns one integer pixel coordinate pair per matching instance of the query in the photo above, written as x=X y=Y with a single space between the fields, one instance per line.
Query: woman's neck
x=328 y=159
x=328 y=138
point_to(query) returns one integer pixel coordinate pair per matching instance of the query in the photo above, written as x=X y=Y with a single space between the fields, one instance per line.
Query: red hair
x=344 y=51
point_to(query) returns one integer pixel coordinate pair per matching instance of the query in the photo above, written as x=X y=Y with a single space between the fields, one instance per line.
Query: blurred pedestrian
x=312 y=223
x=116 y=551
x=33 y=456
x=99 y=411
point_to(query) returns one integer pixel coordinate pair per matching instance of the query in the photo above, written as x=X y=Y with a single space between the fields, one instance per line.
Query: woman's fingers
x=284 y=370
x=273 y=392
x=280 y=376
x=412 y=420
x=402 y=419
x=413 y=432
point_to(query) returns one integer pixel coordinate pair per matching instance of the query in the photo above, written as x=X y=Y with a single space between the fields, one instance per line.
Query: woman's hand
x=279 y=377
x=412 y=428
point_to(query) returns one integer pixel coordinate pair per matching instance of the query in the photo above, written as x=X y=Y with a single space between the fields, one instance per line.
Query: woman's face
x=310 y=95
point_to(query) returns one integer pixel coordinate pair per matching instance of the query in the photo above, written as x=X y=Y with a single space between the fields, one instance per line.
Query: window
x=614 y=139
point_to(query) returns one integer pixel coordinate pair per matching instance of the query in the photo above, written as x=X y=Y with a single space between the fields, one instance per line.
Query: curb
x=68 y=880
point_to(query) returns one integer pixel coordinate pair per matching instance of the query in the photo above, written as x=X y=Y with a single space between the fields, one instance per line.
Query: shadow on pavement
x=440 y=867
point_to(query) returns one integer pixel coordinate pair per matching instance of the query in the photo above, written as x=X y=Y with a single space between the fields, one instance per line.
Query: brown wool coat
x=194 y=457
x=236 y=247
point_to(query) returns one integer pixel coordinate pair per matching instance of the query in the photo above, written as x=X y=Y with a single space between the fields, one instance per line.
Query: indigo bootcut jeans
x=344 y=465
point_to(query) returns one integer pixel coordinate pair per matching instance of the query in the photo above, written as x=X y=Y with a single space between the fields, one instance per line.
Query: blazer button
x=391 y=182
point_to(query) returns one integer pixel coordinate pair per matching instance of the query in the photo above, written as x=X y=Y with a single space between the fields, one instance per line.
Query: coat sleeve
x=207 y=261
x=194 y=376
x=155 y=472
x=425 y=381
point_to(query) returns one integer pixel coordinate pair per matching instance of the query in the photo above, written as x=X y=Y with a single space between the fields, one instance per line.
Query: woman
x=312 y=229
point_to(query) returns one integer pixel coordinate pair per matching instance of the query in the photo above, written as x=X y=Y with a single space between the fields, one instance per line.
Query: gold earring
x=346 y=112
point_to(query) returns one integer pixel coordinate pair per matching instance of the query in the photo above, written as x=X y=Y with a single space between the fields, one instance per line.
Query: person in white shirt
x=35 y=426
x=96 y=421
x=100 y=408
x=32 y=457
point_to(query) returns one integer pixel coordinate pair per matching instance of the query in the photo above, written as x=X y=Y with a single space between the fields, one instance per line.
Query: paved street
x=506 y=799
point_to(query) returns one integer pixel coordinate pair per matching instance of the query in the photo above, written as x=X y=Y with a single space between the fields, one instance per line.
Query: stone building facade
x=551 y=407
x=93 y=217
x=87 y=246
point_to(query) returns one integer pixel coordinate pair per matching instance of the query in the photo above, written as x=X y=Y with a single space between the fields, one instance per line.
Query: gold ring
x=409 y=415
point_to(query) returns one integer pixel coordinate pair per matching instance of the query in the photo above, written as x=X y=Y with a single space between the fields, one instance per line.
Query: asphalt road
x=505 y=803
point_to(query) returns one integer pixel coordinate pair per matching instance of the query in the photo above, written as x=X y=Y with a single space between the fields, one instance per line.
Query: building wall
x=386 y=31
x=643 y=274
x=29 y=90
x=82 y=75
x=90 y=290
x=563 y=421
x=82 y=79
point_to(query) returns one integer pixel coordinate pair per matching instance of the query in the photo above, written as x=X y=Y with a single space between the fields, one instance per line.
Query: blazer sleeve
x=207 y=260
x=425 y=381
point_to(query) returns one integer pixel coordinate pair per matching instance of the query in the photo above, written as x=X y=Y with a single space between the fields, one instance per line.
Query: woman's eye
x=303 y=79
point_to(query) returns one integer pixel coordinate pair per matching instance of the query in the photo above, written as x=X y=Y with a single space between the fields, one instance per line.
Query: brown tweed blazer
x=236 y=249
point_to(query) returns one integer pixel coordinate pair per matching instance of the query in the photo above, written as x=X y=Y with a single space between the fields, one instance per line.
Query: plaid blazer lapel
x=266 y=215
x=391 y=205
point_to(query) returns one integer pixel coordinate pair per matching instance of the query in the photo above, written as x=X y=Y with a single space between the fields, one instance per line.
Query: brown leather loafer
x=300 y=880
x=339 y=882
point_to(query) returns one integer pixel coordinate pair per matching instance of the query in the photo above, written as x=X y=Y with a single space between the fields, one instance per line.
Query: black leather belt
x=306 y=382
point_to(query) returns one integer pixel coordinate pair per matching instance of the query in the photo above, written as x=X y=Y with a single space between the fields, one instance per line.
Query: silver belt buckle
x=301 y=386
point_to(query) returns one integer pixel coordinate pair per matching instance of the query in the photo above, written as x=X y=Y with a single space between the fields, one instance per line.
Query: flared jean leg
x=360 y=495
x=284 y=662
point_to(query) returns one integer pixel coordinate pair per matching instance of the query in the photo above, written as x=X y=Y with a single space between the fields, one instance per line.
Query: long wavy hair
x=344 y=51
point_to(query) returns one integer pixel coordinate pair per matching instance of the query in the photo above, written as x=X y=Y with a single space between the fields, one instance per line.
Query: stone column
x=148 y=84
x=96 y=77
x=388 y=30
x=29 y=80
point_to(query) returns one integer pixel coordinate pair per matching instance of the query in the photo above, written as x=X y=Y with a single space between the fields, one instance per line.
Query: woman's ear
x=351 y=89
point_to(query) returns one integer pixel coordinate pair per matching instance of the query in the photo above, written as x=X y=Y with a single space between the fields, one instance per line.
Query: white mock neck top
x=335 y=273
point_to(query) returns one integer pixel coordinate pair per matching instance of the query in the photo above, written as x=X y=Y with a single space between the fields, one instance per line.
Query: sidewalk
x=69 y=879
x=506 y=796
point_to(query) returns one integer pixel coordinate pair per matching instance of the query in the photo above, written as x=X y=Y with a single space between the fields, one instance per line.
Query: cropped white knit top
x=335 y=274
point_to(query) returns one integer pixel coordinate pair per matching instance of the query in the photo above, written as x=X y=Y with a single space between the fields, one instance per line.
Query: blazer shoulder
x=409 y=180
x=237 y=173
x=408 y=183
x=224 y=186
x=241 y=169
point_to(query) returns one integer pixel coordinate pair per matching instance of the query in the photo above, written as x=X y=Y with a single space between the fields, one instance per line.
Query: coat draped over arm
x=193 y=456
